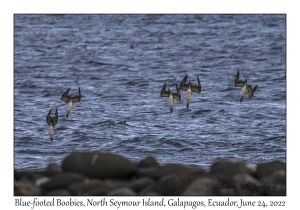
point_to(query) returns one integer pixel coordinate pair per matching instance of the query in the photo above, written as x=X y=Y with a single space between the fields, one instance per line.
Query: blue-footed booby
x=247 y=89
x=189 y=89
x=170 y=95
x=70 y=100
x=51 y=121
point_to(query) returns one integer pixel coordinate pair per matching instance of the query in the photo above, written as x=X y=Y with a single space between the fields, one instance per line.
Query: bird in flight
x=189 y=89
x=52 y=121
x=170 y=95
x=70 y=100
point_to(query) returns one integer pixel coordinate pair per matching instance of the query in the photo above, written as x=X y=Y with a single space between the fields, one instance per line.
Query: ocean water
x=120 y=62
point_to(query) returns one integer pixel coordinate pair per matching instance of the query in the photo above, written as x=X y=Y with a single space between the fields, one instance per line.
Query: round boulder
x=62 y=181
x=148 y=162
x=226 y=169
x=99 y=165
x=270 y=168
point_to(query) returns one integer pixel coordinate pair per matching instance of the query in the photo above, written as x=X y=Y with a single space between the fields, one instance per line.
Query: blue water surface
x=120 y=62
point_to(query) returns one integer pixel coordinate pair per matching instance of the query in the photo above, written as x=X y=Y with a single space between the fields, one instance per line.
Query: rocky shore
x=106 y=174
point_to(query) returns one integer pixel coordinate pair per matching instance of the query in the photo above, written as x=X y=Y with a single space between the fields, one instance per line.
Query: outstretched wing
x=77 y=98
x=251 y=91
x=182 y=85
x=48 y=119
x=238 y=83
x=197 y=88
x=55 y=119
x=245 y=82
x=163 y=92
x=177 y=95
x=65 y=97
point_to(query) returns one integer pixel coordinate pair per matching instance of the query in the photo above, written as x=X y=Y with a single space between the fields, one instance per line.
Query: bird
x=189 y=89
x=238 y=83
x=170 y=95
x=251 y=91
x=52 y=121
x=247 y=89
x=70 y=100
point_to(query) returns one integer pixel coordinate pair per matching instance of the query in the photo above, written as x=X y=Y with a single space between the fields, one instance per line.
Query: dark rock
x=148 y=193
x=99 y=165
x=278 y=178
x=26 y=189
x=278 y=190
x=58 y=192
x=140 y=184
x=196 y=171
x=63 y=180
x=202 y=187
x=152 y=172
x=246 y=185
x=99 y=192
x=226 y=169
x=158 y=172
x=275 y=184
x=174 y=184
x=115 y=183
x=109 y=185
x=121 y=192
x=148 y=162
x=267 y=169
x=41 y=181
x=102 y=174
x=172 y=169
x=52 y=169
x=82 y=188
x=27 y=176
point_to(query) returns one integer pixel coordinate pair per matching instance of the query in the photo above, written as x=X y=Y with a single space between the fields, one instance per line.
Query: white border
x=9 y=8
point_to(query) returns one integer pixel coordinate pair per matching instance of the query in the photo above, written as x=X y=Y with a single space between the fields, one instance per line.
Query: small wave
x=98 y=63
x=186 y=150
x=201 y=111
x=173 y=143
